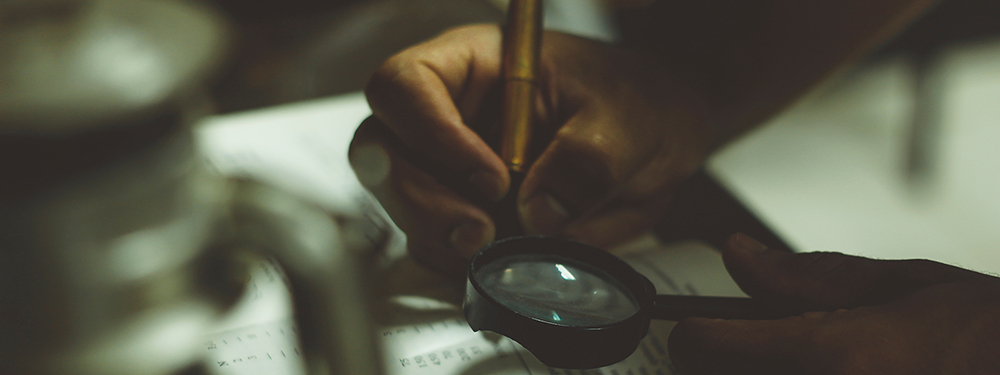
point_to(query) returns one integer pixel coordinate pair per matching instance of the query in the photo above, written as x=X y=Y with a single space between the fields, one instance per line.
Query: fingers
x=606 y=176
x=428 y=94
x=616 y=150
x=443 y=228
x=624 y=137
x=571 y=177
x=421 y=148
x=832 y=280
x=578 y=190
x=946 y=328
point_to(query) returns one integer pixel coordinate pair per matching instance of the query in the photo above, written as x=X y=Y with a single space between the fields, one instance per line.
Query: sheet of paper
x=426 y=333
x=446 y=345
x=303 y=149
x=300 y=147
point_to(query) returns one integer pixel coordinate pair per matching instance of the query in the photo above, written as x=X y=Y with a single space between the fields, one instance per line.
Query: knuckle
x=397 y=74
x=828 y=277
x=820 y=260
x=384 y=77
x=465 y=30
x=821 y=266
x=594 y=149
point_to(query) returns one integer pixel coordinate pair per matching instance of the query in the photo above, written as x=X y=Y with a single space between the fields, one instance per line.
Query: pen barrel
x=522 y=40
x=518 y=113
x=521 y=50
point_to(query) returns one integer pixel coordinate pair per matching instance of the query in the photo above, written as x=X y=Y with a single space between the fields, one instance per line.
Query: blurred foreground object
x=120 y=247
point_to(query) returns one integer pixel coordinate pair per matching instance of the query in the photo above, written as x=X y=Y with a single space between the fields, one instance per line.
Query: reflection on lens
x=557 y=290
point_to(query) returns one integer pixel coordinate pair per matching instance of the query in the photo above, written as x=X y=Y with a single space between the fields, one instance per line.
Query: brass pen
x=522 y=39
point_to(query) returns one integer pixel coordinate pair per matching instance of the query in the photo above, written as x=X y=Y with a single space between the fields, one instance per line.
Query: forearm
x=753 y=58
x=787 y=46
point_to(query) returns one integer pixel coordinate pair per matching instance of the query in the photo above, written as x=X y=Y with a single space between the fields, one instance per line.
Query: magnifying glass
x=576 y=306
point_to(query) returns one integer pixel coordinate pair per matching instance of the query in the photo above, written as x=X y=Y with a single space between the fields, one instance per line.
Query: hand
x=616 y=133
x=894 y=317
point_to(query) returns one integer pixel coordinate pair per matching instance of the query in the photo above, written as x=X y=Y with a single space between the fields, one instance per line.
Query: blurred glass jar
x=105 y=208
x=119 y=247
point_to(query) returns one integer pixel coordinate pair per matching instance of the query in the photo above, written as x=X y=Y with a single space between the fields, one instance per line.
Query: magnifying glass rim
x=561 y=345
x=639 y=286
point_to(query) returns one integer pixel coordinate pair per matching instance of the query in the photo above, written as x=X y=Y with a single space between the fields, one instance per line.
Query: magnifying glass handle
x=677 y=308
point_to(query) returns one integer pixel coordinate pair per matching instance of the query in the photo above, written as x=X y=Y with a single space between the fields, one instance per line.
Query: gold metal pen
x=522 y=41
x=522 y=37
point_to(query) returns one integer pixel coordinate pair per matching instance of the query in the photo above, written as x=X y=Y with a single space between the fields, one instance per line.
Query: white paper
x=303 y=148
x=444 y=344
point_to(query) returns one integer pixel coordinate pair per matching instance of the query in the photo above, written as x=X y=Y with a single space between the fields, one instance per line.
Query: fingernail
x=370 y=163
x=489 y=184
x=544 y=214
x=468 y=238
x=748 y=244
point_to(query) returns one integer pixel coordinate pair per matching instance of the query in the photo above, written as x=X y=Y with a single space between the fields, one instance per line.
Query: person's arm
x=787 y=46
x=616 y=131
x=753 y=58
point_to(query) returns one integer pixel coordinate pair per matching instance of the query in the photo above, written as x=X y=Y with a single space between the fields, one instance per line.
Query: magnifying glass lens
x=557 y=290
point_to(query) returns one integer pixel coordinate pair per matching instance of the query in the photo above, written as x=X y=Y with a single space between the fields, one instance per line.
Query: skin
x=885 y=317
x=604 y=176
x=618 y=130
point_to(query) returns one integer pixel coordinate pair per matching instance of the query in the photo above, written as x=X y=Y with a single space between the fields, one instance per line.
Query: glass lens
x=557 y=290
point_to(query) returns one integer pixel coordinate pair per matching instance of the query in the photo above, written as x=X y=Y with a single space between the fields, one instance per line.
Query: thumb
x=827 y=279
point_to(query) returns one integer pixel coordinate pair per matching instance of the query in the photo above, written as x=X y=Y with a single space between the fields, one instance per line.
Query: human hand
x=894 y=317
x=614 y=133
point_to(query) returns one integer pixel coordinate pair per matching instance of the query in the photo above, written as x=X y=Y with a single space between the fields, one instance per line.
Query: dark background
x=294 y=50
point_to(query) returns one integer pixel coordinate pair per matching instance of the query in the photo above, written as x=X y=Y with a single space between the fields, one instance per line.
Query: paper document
x=448 y=346
x=428 y=334
x=303 y=148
